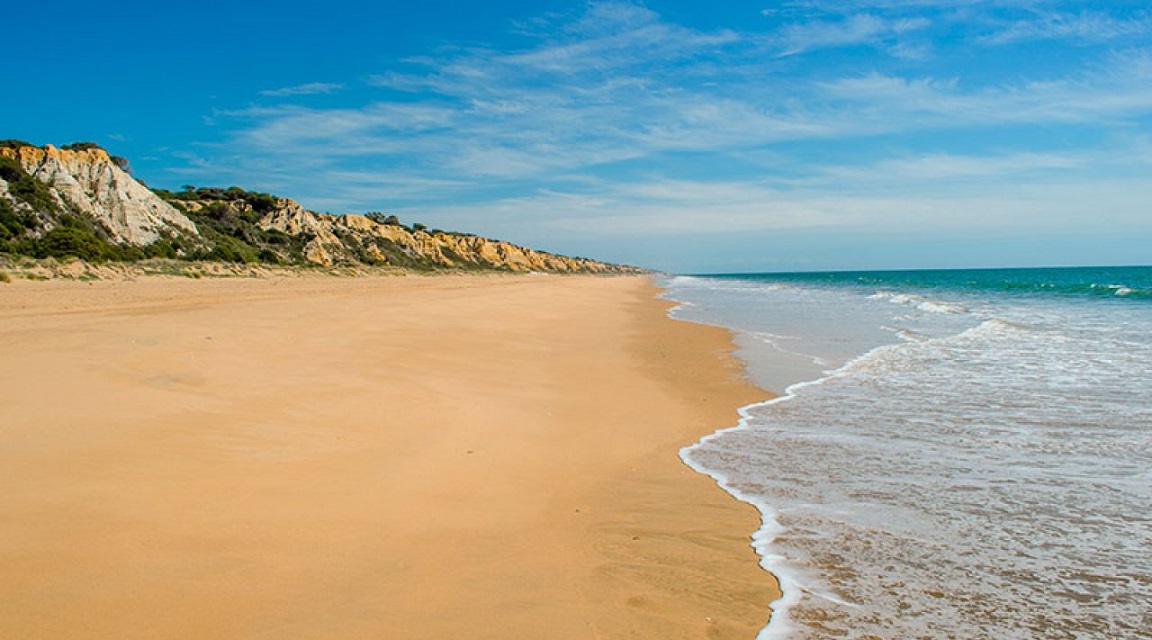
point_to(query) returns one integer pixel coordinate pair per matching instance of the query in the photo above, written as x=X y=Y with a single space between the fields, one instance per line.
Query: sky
x=685 y=136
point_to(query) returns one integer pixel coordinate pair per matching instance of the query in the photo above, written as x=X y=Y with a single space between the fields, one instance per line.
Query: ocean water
x=955 y=454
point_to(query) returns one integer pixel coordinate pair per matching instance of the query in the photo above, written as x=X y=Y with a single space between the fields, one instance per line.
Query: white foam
x=778 y=626
x=1002 y=453
x=920 y=302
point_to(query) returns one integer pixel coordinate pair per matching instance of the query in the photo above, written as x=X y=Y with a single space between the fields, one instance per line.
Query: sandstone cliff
x=78 y=201
x=349 y=239
x=88 y=182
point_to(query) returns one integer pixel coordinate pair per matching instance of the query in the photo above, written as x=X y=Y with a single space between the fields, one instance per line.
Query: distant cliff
x=79 y=200
x=245 y=225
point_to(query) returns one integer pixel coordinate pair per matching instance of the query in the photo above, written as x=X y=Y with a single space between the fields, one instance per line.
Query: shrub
x=12 y=224
x=260 y=202
x=24 y=187
x=81 y=146
x=126 y=253
x=229 y=249
x=162 y=248
x=72 y=242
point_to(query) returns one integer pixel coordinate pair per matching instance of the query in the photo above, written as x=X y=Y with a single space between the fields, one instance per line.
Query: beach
x=384 y=457
x=971 y=462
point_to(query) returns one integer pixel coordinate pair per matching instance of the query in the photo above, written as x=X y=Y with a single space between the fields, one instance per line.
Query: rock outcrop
x=78 y=201
x=351 y=239
x=88 y=182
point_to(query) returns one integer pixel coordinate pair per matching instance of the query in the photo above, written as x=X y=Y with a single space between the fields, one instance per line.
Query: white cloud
x=1120 y=89
x=944 y=166
x=593 y=130
x=616 y=45
x=538 y=111
x=860 y=29
x=311 y=88
x=665 y=209
x=1087 y=26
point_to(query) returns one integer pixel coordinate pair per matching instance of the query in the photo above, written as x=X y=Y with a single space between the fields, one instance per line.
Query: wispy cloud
x=1117 y=89
x=664 y=208
x=1087 y=26
x=311 y=88
x=951 y=167
x=536 y=111
x=618 y=122
x=861 y=29
x=650 y=89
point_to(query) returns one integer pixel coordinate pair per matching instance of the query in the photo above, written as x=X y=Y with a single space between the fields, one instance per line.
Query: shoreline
x=346 y=457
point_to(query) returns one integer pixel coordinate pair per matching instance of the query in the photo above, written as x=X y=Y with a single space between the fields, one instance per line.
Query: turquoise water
x=956 y=454
x=1122 y=284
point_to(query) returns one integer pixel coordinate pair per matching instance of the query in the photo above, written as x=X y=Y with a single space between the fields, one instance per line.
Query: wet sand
x=480 y=457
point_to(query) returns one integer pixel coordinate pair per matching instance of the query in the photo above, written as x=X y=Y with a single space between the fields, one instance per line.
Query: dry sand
x=473 y=457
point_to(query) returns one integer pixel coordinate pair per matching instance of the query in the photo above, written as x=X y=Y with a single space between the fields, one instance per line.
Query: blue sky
x=684 y=136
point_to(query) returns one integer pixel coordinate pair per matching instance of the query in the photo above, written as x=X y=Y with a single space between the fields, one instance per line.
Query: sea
x=951 y=454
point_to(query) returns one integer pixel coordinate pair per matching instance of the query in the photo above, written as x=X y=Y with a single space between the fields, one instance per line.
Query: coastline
x=869 y=490
x=419 y=457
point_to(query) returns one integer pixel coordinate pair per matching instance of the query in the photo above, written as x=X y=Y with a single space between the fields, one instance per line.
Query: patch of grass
x=4 y=277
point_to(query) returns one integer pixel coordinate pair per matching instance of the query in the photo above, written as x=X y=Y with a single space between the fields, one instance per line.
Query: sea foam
x=980 y=472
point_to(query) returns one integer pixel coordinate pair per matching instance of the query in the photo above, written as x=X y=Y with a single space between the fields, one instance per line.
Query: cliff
x=89 y=183
x=79 y=201
x=280 y=230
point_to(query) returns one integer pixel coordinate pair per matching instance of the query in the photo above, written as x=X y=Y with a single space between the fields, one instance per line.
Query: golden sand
x=474 y=457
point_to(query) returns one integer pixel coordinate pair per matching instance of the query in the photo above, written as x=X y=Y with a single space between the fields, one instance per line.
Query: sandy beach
x=408 y=457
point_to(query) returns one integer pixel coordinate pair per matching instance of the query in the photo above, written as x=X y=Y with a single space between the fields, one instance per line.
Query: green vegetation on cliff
x=34 y=223
x=77 y=201
x=229 y=221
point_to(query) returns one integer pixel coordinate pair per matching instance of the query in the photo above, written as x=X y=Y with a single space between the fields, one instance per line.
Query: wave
x=877 y=361
x=1009 y=384
x=920 y=302
x=1129 y=284
x=791 y=588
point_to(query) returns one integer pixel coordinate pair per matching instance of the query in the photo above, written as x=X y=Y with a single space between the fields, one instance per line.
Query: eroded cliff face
x=456 y=250
x=88 y=182
x=231 y=225
x=351 y=239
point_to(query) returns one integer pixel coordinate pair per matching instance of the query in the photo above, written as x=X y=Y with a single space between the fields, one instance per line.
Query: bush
x=379 y=218
x=260 y=202
x=81 y=146
x=229 y=249
x=13 y=224
x=162 y=248
x=126 y=253
x=24 y=187
x=72 y=242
